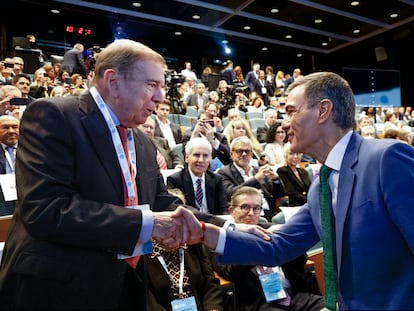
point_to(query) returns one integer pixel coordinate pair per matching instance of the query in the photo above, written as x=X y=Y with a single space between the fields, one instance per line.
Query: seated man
x=266 y=288
x=163 y=126
x=202 y=188
x=240 y=173
x=170 y=158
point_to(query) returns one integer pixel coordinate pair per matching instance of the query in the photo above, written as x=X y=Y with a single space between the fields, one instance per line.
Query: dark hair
x=20 y=75
x=270 y=135
x=331 y=86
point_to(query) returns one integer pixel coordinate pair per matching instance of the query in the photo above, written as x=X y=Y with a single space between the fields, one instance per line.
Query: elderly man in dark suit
x=9 y=134
x=77 y=221
x=213 y=197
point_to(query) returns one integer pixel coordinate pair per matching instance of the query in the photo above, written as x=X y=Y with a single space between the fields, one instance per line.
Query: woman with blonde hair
x=240 y=127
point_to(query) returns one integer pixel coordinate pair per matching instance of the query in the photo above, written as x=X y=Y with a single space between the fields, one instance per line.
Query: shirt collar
x=336 y=155
x=194 y=177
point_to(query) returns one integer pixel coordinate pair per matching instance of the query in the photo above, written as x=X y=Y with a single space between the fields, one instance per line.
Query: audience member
x=271 y=117
x=220 y=147
x=18 y=65
x=9 y=135
x=296 y=74
x=22 y=82
x=7 y=93
x=252 y=76
x=286 y=288
x=187 y=72
x=164 y=127
x=74 y=61
x=228 y=72
x=240 y=173
x=280 y=83
x=367 y=131
x=390 y=120
x=263 y=88
x=199 y=98
x=212 y=197
x=213 y=109
x=238 y=72
x=166 y=157
x=40 y=87
x=257 y=105
x=240 y=127
x=275 y=145
x=233 y=113
x=295 y=179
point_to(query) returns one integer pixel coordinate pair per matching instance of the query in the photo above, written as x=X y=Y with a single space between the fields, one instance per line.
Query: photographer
x=172 y=83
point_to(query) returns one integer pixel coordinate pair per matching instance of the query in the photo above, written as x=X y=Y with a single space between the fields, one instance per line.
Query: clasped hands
x=180 y=227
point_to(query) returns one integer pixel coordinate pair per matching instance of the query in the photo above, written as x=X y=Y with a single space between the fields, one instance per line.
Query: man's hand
x=254 y=229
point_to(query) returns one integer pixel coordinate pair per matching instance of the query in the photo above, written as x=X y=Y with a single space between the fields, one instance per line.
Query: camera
x=45 y=74
x=68 y=81
x=211 y=122
x=173 y=82
x=19 y=101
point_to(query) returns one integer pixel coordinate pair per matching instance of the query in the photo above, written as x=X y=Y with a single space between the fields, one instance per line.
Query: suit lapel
x=97 y=131
x=345 y=184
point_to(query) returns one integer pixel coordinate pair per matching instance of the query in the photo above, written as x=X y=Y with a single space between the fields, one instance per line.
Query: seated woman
x=295 y=179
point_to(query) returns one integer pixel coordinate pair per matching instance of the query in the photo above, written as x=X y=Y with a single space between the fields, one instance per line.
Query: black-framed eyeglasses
x=241 y=151
x=245 y=208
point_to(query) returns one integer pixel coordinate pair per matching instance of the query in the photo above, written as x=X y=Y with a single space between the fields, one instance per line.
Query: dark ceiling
x=222 y=24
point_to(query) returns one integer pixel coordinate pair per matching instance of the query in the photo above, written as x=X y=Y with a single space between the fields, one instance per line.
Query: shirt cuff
x=221 y=242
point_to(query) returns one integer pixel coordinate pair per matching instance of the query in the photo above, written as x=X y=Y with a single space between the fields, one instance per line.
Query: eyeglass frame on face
x=240 y=152
x=245 y=208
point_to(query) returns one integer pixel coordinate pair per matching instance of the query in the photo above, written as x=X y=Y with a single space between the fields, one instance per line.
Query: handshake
x=180 y=227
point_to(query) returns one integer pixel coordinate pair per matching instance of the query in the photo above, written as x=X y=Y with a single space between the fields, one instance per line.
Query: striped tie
x=199 y=193
x=328 y=235
x=161 y=161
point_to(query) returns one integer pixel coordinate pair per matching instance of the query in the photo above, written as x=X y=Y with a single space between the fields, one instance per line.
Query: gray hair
x=197 y=142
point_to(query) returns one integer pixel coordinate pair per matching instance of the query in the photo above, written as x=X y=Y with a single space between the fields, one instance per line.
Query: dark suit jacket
x=73 y=62
x=232 y=180
x=215 y=193
x=70 y=222
x=374 y=228
x=6 y=208
x=269 y=90
x=192 y=100
x=250 y=79
x=296 y=190
x=175 y=128
x=205 y=286
x=223 y=150
x=169 y=155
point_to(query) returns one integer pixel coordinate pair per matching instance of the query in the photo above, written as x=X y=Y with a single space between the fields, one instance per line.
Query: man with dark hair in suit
x=164 y=127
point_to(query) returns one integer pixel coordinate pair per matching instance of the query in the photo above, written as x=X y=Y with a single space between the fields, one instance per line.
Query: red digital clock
x=82 y=31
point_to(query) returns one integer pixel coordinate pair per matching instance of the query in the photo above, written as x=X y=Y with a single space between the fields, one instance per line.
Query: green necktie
x=328 y=236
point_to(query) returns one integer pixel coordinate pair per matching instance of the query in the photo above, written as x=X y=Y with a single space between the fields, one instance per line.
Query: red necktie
x=123 y=134
x=161 y=161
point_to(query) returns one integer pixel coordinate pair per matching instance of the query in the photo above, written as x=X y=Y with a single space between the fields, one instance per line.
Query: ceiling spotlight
x=136 y=4
x=299 y=55
x=55 y=11
x=356 y=31
x=224 y=41
x=264 y=48
x=274 y=11
x=324 y=43
x=178 y=33
x=195 y=16
x=288 y=37
x=246 y=27
x=355 y=3
x=394 y=15
x=318 y=20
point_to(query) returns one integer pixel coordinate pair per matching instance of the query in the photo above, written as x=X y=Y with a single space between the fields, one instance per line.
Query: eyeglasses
x=241 y=151
x=245 y=208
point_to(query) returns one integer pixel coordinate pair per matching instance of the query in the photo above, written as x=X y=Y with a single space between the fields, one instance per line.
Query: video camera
x=173 y=81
